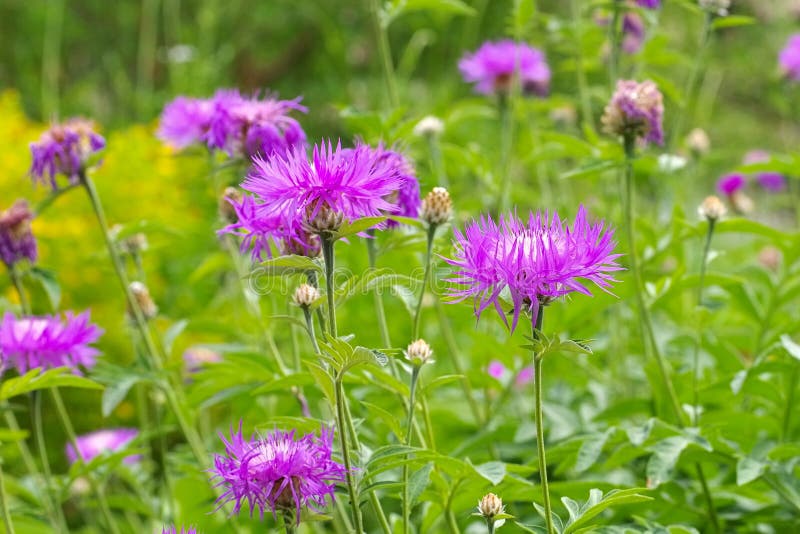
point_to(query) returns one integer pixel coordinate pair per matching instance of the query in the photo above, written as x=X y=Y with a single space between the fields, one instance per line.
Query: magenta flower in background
x=632 y=33
x=524 y=377
x=635 y=109
x=48 y=341
x=96 y=443
x=185 y=121
x=16 y=237
x=649 y=4
x=494 y=65
x=276 y=472
x=174 y=530
x=64 y=149
x=496 y=369
x=529 y=262
x=789 y=58
x=336 y=185
x=772 y=181
x=195 y=358
x=730 y=184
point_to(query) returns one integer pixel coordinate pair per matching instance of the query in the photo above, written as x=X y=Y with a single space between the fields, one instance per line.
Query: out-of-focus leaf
x=748 y=469
x=35 y=380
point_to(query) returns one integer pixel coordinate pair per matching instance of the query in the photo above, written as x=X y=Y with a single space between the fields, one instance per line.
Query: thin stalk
x=425 y=277
x=712 y=512
x=614 y=44
x=409 y=426
x=310 y=327
x=51 y=58
x=49 y=199
x=145 y=64
x=696 y=355
x=490 y=525
x=448 y=508
x=71 y=437
x=787 y=414
x=327 y=254
x=385 y=52
x=537 y=389
x=586 y=104
x=644 y=312
x=38 y=431
x=4 y=504
x=23 y=298
x=437 y=162
x=351 y=488
x=311 y=276
x=380 y=312
x=506 y=141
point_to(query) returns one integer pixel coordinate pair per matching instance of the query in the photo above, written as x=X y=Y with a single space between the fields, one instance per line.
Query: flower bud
x=429 y=126
x=419 y=352
x=698 y=142
x=711 y=208
x=142 y=296
x=226 y=210
x=134 y=244
x=325 y=220
x=490 y=506
x=16 y=237
x=305 y=295
x=437 y=207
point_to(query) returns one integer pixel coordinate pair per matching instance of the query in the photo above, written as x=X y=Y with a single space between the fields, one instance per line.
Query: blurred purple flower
x=16 y=237
x=174 y=530
x=635 y=109
x=337 y=185
x=48 y=341
x=496 y=369
x=649 y=4
x=185 y=121
x=493 y=67
x=64 y=149
x=195 y=358
x=277 y=473
x=96 y=443
x=524 y=377
x=730 y=184
x=534 y=261
x=789 y=58
x=632 y=33
x=772 y=181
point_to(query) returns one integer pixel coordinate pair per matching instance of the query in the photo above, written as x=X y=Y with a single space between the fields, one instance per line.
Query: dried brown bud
x=305 y=295
x=437 y=207
x=712 y=208
x=226 y=210
x=419 y=352
x=142 y=296
x=490 y=506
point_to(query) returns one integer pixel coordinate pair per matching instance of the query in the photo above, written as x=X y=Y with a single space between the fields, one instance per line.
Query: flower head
x=48 y=341
x=636 y=109
x=496 y=369
x=429 y=126
x=789 y=58
x=437 y=206
x=698 y=142
x=711 y=208
x=305 y=295
x=96 y=443
x=529 y=262
x=772 y=181
x=174 y=530
x=16 y=238
x=185 y=121
x=730 y=184
x=277 y=472
x=64 y=149
x=419 y=352
x=493 y=67
x=337 y=185
x=490 y=505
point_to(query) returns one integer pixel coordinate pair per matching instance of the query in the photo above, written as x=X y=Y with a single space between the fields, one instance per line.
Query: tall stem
x=386 y=56
x=644 y=312
x=787 y=414
x=437 y=161
x=409 y=426
x=342 y=427
x=490 y=525
x=38 y=431
x=23 y=298
x=73 y=440
x=380 y=312
x=696 y=355
x=586 y=105
x=712 y=512
x=327 y=254
x=614 y=44
x=506 y=140
x=537 y=391
x=425 y=277
x=4 y=504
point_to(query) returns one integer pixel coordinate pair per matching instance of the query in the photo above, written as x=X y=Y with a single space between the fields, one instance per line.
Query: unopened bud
x=419 y=352
x=429 y=126
x=711 y=208
x=135 y=244
x=490 y=506
x=698 y=142
x=142 y=297
x=437 y=207
x=305 y=295
x=226 y=210
x=742 y=203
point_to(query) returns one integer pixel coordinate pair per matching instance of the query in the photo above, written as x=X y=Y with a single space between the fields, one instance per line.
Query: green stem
x=490 y=525
x=696 y=355
x=288 y=523
x=49 y=199
x=310 y=326
x=24 y=303
x=787 y=414
x=712 y=512
x=311 y=276
x=586 y=105
x=342 y=427
x=327 y=254
x=409 y=426
x=72 y=438
x=425 y=277
x=437 y=162
x=386 y=57
x=4 y=503
x=506 y=141
x=38 y=431
x=537 y=389
x=145 y=64
x=644 y=312
x=614 y=44
x=380 y=312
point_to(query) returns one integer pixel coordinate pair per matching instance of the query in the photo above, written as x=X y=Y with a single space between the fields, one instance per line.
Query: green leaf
x=748 y=470
x=418 y=481
x=115 y=393
x=591 y=448
x=291 y=264
x=35 y=380
x=592 y=169
x=732 y=21
x=791 y=347
x=665 y=455
x=359 y=225
x=172 y=333
x=47 y=279
x=597 y=504
x=324 y=381
x=384 y=415
x=494 y=472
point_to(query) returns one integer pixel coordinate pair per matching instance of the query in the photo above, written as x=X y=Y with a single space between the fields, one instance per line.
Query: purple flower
x=730 y=184
x=16 y=237
x=529 y=262
x=48 y=341
x=649 y=4
x=632 y=33
x=96 y=443
x=238 y=125
x=496 y=369
x=276 y=472
x=636 y=109
x=524 y=377
x=337 y=185
x=64 y=149
x=789 y=58
x=495 y=64
x=195 y=358
x=774 y=182
x=174 y=530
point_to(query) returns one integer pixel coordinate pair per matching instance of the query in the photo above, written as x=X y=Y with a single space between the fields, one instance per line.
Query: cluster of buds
x=437 y=207
x=419 y=353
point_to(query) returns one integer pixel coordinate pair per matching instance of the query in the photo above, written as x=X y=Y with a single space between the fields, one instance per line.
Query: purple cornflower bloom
x=96 y=443
x=337 y=185
x=632 y=33
x=64 y=149
x=529 y=262
x=48 y=341
x=649 y=4
x=635 y=109
x=16 y=238
x=772 y=181
x=174 y=530
x=496 y=369
x=730 y=184
x=238 y=125
x=276 y=472
x=789 y=58
x=493 y=67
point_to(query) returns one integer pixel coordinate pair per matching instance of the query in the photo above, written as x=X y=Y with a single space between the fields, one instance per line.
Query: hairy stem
x=537 y=391
x=327 y=254
x=409 y=426
x=342 y=427
x=696 y=354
